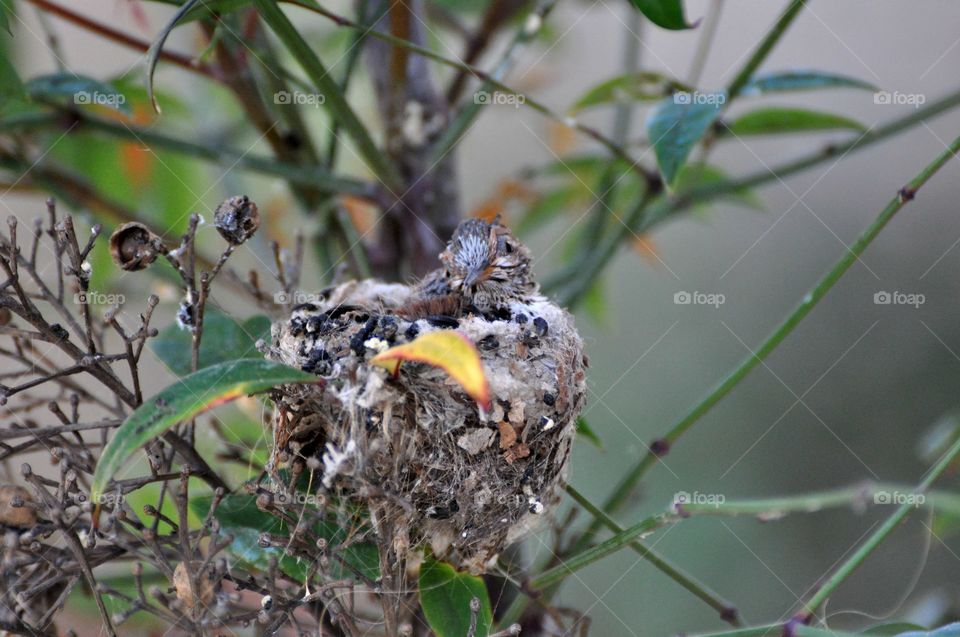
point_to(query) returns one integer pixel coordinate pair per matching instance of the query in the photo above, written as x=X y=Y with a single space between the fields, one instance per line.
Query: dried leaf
x=508 y=435
x=450 y=351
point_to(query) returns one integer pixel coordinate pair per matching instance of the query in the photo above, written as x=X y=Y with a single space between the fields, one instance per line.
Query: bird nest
x=427 y=464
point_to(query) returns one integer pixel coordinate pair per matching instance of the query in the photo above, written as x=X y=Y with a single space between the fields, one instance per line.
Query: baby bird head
x=487 y=265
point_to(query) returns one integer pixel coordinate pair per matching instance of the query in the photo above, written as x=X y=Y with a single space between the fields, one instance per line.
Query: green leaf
x=156 y=47
x=240 y=517
x=699 y=175
x=801 y=80
x=892 y=629
x=939 y=436
x=775 y=120
x=676 y=124
x=950 y=630
x=639 y=86
x=663 y=13
x=4 y=18
x=585 y=431
x=223 y=339
x=445 y=596
x=78 y=90
x=11 y=87
x=185 y=399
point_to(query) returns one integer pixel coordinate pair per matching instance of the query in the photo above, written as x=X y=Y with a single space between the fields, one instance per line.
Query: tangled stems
x=660 y=447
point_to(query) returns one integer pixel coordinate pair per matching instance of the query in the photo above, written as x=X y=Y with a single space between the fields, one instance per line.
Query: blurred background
x=848 y=397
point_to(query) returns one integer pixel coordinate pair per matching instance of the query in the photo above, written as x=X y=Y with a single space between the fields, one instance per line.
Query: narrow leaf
x=639 y=86
x=185 y=399
x=449 y=350
x=445 y=596
x=224 y=339
x=700 y=175
x=773 y=121
x=11 y=87
x=801 y=80
x=240 y=517
x=78 y=90
x=663 y=13
x=585 y=431
x=333 y=98
x=676 y=124
x=153 y=53
x=4 y=18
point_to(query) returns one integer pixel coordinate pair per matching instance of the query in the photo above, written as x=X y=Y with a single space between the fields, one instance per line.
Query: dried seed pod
x=181 y=583
x=133 y=246
x=5 y=316
x=15 y=507
x=236 y=219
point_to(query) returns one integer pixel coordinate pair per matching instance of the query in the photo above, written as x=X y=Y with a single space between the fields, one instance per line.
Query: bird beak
x=474 y=276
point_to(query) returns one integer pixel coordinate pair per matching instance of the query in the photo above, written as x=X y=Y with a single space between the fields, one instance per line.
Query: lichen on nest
x=427 y=463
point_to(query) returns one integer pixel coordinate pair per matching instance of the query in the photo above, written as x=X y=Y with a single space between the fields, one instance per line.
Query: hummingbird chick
x=485 y=268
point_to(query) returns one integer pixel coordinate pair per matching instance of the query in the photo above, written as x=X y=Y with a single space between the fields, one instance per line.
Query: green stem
x=626 y=486
x=469 y=111
x=334 y=100
x=569 y=287
x=308 y=176
x=763 y=49
x=861 y=554
x=728 y=611
x=853 y=496
x=585 y=558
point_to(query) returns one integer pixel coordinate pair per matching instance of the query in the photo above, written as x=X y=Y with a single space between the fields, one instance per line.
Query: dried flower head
x=16 y=507
x=133 y=246
x=237 y=219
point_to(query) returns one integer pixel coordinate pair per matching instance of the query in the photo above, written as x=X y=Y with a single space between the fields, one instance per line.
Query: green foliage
x=640 y=86
x=676 y=124
x=585 y=431
x=185 y=399
x=240 y=518
x=224 y=339
x=801 y=80
x=774 y=121
x=446 y=594
x=664 y=13
x=76 y=90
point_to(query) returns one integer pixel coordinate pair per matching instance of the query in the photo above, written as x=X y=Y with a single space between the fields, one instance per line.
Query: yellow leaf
x=450 y=351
